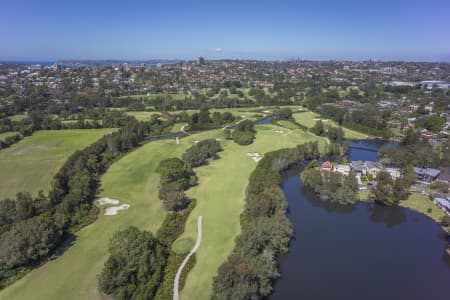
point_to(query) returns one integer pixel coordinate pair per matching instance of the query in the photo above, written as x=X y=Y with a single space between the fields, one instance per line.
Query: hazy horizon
x=51 y=30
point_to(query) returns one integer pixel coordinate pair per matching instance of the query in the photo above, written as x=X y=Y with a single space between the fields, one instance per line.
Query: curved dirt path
x=180 y=269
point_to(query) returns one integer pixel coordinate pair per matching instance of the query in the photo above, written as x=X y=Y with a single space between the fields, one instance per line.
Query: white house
x=343 y=169
x=394 y=172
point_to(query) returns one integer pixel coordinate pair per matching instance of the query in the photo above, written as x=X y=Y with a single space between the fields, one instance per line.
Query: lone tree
x=244 y=133
x=319 y=128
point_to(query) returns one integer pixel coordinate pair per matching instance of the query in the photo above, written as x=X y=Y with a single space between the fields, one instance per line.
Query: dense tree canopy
x=244 y=132
x=134 y=269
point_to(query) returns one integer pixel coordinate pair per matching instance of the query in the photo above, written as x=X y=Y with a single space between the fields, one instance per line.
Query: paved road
x=180 y=269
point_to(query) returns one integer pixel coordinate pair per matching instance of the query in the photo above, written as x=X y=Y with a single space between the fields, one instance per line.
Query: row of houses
x=360 y=168
x=372 y=168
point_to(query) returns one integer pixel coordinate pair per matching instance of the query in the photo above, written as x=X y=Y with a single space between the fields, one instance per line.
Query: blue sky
x=321 y=29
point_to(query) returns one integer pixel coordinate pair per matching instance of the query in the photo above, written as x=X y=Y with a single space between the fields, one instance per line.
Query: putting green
x=183 y=245
x=30 y=164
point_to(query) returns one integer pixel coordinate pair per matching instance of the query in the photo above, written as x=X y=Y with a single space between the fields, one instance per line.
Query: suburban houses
x=366 y=173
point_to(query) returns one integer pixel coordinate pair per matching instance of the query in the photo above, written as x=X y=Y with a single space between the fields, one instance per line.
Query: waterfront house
x=373 y=168
x=343 y=169
x=444 y=204
x=426 y=175
x=358 y=167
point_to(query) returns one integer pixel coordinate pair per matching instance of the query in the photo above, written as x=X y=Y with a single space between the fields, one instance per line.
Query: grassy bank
x=417 y=202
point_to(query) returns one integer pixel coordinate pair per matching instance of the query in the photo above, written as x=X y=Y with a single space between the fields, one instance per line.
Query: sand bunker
x=111 y=211
x=255 y=156
x=104 y=201
x=279 y=131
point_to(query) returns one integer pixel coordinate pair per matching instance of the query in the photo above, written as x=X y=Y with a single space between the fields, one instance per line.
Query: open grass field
x=142 y=115
x=7 y=134
x=422 y=203
x=309 y=119
x=133 y=180
x=30 y=164
x=417 y=202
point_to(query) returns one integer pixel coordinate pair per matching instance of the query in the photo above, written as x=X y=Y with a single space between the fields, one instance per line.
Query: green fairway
x=133 y=180
x=30 y=164
x=143 y=115
x=220 y=200
x=309 y=119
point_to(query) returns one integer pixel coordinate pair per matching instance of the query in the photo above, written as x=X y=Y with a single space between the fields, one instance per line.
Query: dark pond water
x=166 y=136
x=265 y=120
x=365 y=251
x=368 y=149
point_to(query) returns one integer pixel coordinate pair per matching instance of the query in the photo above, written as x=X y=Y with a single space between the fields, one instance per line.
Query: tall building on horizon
x=200 y=60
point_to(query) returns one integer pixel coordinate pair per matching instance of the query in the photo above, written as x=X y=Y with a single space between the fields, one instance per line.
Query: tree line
x=414 y=150
x=249 y=271
x=32 y=228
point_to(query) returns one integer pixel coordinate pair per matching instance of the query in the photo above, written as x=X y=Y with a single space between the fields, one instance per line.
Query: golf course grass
x=133 y=180
x=30 y=164
x=309 y=119
x=220 y=200
x=143 y=115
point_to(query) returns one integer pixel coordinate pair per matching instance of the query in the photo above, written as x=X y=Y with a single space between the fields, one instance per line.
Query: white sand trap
x=111 y=211
x=104 y=201
x=279 y=131
x=323 y=120
x=218 y=139
x=178 y=140
x=255 y=156
x=196 y=142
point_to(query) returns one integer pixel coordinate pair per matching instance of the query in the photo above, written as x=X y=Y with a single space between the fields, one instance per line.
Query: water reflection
x=309 y=195
x=389 y=216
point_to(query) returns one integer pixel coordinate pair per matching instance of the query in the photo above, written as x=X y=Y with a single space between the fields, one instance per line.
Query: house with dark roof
x=427 y=175
x=358 y=167
x=373 y=167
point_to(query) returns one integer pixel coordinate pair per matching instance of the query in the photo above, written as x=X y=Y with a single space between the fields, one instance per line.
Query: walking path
x=180 y=269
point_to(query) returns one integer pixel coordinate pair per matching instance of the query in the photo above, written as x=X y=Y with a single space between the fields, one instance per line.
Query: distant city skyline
x=51 y=30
